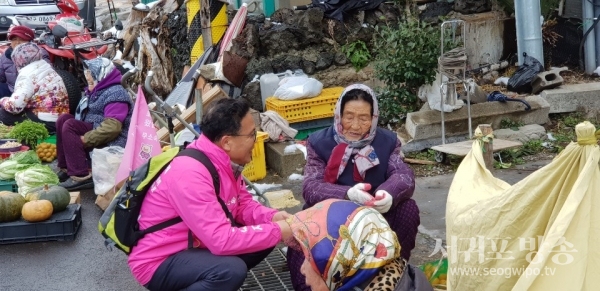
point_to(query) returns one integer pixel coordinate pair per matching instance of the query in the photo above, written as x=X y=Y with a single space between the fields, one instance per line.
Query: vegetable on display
x=29 y=133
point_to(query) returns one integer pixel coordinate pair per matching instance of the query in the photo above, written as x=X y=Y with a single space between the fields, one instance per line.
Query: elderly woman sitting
x=39 y=95
x=8 y=73
x=358 y=161
x=351 y=247
x=101 y=119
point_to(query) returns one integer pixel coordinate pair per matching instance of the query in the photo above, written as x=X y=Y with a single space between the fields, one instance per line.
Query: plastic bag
x=71 y=24
x=298 y=87
x=105 y=163
x=436 y=272
x=520 y=81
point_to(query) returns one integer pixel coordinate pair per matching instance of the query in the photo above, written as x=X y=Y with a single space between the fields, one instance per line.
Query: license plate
x=41 y=18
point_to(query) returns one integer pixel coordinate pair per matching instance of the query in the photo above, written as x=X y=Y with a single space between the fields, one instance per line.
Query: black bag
x=520 y=81
x=413 y=279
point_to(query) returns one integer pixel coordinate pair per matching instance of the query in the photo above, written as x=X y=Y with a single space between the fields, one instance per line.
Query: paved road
x=83 y=264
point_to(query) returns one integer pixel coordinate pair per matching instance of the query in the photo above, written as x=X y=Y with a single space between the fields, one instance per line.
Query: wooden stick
x=205 y=23
x=488 y=147
x=419 y=162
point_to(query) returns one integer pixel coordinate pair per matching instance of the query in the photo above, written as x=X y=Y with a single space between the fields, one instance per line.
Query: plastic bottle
x=268 y=85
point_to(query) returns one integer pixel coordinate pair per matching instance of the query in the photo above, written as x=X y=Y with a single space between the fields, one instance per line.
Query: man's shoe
x=77 y=183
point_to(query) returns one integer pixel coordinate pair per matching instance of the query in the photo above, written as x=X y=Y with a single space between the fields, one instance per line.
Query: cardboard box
x=104 y=200
x=75 y=198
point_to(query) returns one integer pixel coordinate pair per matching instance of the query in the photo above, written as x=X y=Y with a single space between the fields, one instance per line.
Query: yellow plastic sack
x=542 y=233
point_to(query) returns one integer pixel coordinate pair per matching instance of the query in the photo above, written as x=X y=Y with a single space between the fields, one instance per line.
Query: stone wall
x=306 y=40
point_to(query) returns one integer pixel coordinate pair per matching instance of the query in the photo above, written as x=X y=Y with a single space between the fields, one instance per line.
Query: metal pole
x=597 y=31
x=124 y=83
x=529 y=29
x=442 y=97
x=590 y=42
x=198 y=95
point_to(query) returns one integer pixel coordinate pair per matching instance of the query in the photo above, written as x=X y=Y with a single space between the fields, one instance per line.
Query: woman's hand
x=281 y=215
x=359 y=193
x=382 y=201
x=82 y=139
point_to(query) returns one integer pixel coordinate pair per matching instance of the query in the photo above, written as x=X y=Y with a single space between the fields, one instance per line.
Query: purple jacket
x=399 y=178
x=8 y=72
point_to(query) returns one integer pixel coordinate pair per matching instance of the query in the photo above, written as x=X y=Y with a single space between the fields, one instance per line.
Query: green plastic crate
x=10 y=186
x=51 y=139
x=303 y=134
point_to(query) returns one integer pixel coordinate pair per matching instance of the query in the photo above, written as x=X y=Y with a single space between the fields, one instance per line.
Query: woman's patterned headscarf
x=346 y=243
x=99 y=67
x=366 y=157
x=25 y=54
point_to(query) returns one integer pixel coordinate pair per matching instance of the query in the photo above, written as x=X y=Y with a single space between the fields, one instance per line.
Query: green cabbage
x=27 y=157
x=17 y=162
x=35 y=176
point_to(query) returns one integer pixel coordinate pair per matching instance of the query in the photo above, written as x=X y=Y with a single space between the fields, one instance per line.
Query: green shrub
x=405 y=58
x=358 y=54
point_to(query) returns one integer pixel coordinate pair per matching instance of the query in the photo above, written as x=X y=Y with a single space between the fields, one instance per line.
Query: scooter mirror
x=119 y=25
x=59 y=31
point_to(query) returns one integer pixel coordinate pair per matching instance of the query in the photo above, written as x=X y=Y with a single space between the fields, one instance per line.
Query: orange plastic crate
x=321 y=106
x=257 y=168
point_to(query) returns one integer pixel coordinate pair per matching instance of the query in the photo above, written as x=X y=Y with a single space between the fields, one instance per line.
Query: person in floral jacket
x=39 y=94
x=8 y=73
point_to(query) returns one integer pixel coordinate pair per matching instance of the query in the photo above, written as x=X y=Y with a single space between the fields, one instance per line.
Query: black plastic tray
x=62 y=226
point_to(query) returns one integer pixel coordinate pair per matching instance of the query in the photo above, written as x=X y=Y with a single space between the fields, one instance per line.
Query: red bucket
x=5 y=155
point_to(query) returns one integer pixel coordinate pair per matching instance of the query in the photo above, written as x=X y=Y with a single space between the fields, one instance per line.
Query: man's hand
x=359 y=193
x=281 y=215
x=382 y=202
x=286 y=230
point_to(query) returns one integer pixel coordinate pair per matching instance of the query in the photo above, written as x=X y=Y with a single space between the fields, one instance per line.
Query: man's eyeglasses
x=253 y=134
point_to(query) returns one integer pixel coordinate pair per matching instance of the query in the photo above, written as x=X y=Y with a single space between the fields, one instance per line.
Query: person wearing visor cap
x=40 y=93
x=8 y=73
x=101 y=119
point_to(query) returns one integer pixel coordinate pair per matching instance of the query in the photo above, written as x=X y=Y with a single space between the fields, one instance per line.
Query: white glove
x=359 y=193
x=382 y=201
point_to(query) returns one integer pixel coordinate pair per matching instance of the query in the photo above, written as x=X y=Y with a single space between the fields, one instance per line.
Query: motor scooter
x=66 y=39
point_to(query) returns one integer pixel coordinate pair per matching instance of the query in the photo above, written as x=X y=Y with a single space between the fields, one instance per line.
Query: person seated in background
x=348 y=246
x=40 y=93
x=356 y=160
x=8 y=72
x=207 y=251
x=101 y=119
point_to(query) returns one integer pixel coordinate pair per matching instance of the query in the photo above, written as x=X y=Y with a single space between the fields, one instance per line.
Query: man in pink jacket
x=221 y=254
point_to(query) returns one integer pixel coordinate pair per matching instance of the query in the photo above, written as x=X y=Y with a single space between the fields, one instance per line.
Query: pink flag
x=142 y=141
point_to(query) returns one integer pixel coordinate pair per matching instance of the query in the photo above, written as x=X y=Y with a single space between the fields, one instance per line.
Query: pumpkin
x=58 y=196
x=37 y=210
x=10 y=206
